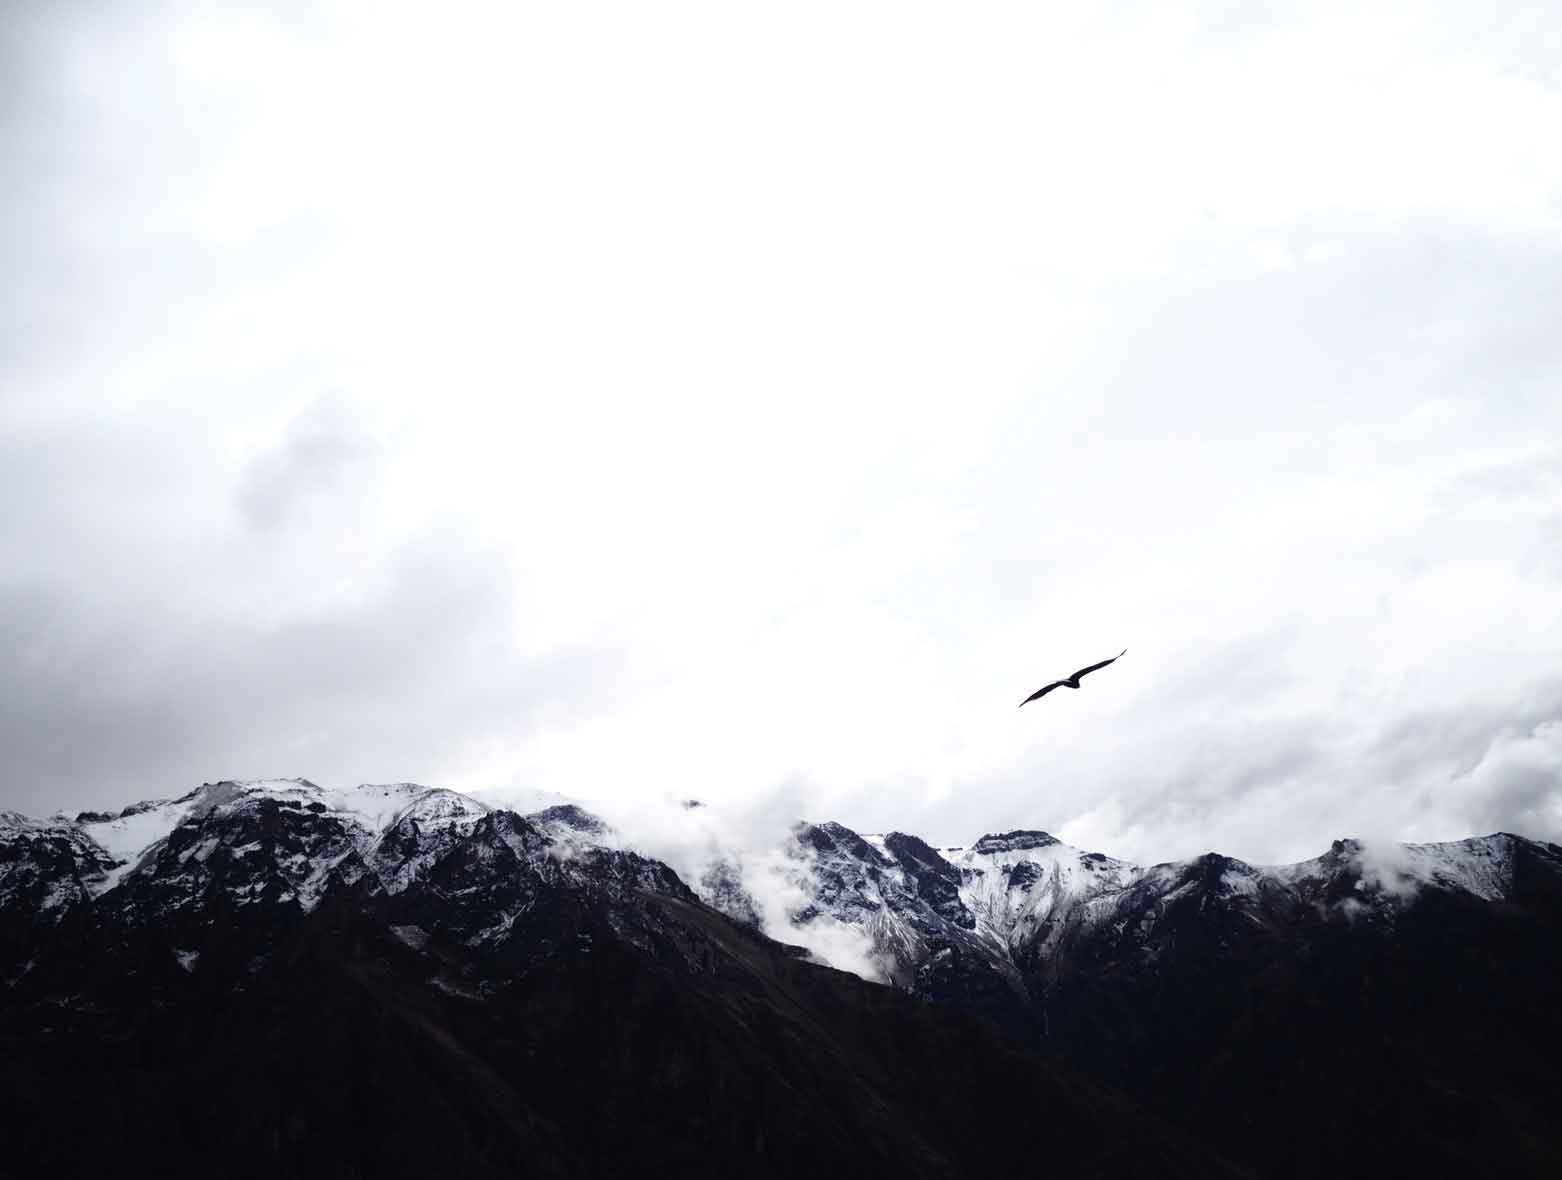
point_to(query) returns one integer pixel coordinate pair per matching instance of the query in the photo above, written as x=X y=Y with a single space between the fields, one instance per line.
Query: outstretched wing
x=1102 y=664
x=1040 y=692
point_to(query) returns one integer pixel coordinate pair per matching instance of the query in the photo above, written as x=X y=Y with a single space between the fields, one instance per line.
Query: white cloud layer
x=637 y=400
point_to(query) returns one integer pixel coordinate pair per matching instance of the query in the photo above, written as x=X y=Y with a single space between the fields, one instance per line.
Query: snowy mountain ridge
x=1020 y=887
x=1007 y=901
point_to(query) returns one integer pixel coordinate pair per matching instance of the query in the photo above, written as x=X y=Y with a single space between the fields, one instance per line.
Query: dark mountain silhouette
x=516 y=1008
x=1366 y=1013
x=276 y=979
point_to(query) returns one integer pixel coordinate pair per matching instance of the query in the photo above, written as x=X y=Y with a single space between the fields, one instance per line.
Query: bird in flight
x=1069 y=681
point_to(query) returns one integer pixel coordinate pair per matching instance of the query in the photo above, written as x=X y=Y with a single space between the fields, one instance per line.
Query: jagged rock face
x=47 y=868
x=230 y=868
x=253 y=850
x=847 y=872
x=1029 y=891
x=1021 y=841
x=968 y=923
x=421 y=834
x=569 y=817
x=937 y=881
x=907 y=905
x=1046 y=909
x=48 y=874
x=721 y=887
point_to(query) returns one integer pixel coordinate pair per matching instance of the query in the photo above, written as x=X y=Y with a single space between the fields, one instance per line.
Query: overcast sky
x=756 y=402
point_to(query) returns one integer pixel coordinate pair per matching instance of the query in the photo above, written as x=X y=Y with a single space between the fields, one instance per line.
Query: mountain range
x=275 y=977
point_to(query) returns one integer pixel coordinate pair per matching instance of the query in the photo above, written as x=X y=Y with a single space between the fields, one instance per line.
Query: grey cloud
x=1183 y=396
x=105 y=144
x=1277 y=789
x=1250 y=670
x=1524 y=798
x=1455 y=739
x=1231 y=761
x=1453 y=772
x=316 y=456
x=1512 y=781
x=104 y=706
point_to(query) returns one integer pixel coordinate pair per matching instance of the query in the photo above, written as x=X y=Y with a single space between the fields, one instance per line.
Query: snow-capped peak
x=396 y=829
x=1017 y=841
x=1480 y=865
x=1017 y=882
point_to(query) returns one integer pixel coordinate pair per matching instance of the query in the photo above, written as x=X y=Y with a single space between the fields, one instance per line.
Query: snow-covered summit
x=1025 y=896
x=1482 y=866
x=1017 y=882
x=1017 y=841
x=394 y=831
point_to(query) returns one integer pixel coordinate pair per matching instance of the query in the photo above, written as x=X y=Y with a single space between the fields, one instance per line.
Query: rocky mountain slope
x=275 y=979
x=532 y=988
x=1377 y=1008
